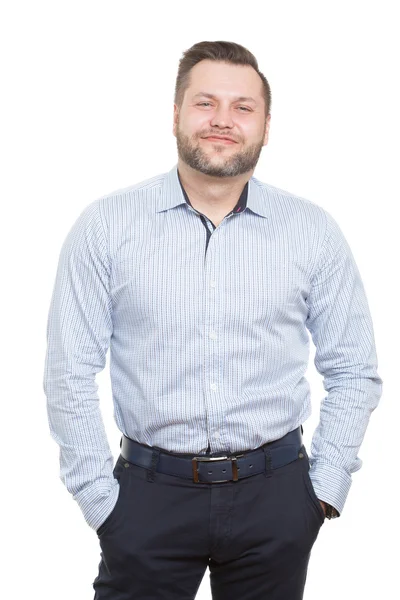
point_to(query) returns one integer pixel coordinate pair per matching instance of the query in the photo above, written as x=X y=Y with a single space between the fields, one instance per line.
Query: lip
x=223 y=140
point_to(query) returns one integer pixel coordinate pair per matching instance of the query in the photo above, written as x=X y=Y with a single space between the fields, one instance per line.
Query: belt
x=211 y=468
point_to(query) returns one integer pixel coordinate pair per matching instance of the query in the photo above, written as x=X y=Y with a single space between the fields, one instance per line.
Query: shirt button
x=213 y=386
x=213 y=284
x=213 y=335
x=217 y=434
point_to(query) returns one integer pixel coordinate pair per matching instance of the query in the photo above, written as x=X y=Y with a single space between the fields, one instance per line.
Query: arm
x=341 y=328
x=79 y=329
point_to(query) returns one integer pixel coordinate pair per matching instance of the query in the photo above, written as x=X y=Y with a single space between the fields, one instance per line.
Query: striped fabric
x=208 y=334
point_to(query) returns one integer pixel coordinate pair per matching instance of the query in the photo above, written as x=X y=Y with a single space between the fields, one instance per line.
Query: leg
x=154 y=544
x=274 y=523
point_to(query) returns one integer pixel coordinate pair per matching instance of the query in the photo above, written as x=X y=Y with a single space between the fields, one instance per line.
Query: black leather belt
x=218 y=467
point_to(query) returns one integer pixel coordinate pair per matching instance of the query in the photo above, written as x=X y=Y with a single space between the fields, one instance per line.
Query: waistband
x=217 y=467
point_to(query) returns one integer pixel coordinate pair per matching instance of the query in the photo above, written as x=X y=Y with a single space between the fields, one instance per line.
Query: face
x=212 y=106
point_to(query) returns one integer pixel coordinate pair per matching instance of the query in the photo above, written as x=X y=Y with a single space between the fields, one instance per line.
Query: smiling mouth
x=220 y=140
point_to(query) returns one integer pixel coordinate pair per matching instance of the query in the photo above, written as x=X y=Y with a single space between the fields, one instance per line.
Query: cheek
x=252 y=131
x=187 y=127
x=195 y=123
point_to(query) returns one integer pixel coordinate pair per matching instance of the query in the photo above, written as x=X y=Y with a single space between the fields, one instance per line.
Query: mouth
x=222 y=140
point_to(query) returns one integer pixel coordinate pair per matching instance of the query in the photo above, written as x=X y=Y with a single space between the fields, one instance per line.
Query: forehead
x=221 y=78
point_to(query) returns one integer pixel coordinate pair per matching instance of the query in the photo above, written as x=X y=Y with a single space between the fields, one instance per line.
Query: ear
x=175 y=119
x=266 y=136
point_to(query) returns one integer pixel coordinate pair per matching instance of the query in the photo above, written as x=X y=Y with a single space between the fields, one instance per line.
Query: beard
x=192 y=154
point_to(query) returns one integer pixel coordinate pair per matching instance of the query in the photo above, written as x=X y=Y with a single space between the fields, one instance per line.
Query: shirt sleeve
x=79 y=329
x=340 y=324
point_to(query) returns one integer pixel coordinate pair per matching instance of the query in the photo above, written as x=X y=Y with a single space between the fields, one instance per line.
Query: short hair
x=228 y=52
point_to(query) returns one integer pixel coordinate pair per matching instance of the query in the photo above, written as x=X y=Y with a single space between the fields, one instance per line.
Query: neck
x=208 y=191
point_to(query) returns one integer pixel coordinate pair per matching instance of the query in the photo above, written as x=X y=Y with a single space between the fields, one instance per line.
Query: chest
x=170 y=274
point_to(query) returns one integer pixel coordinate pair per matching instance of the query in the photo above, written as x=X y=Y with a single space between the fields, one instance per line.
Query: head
x=220 y=91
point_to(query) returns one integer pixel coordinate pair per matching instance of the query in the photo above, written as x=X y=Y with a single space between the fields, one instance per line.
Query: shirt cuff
x=331 y=484
x=97 y=502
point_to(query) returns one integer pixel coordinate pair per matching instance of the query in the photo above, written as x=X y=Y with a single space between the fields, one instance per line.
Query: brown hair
x=219 y=51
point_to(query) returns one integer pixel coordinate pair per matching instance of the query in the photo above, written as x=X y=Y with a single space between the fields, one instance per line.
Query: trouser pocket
x=312 y=496
x=118 y=472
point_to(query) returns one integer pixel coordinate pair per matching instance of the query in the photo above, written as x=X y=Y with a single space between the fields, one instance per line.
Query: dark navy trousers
x=255 y=535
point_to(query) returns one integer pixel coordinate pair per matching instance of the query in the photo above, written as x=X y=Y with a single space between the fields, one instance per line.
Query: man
x=204 y=281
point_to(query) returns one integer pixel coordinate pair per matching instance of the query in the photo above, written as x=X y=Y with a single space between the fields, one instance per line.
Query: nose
x=221 y=117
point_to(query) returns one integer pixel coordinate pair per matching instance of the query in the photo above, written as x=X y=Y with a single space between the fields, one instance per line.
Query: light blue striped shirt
x=207 y=334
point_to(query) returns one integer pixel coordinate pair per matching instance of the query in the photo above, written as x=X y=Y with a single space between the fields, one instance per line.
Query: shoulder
x=292 y=207
x=136 y=191
x=285 y=198
x=117 y=209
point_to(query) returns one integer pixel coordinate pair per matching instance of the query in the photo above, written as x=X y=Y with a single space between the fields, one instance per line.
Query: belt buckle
x=197 y=459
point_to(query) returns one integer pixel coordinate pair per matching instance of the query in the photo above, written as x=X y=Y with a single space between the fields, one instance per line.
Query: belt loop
x=301 y=428
x=268 y=462
x=153 y=467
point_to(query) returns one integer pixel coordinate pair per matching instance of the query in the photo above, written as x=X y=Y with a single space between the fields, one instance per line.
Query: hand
x=322 y=503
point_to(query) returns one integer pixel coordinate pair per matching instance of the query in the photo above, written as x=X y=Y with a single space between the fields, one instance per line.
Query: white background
x=87 y=106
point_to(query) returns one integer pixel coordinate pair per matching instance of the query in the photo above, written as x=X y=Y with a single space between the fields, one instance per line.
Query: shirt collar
x=172 y=194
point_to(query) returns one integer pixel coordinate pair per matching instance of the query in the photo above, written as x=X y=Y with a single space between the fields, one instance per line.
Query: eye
x=209 y=103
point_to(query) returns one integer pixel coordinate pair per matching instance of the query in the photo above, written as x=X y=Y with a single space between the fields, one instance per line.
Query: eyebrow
x=238 y=99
